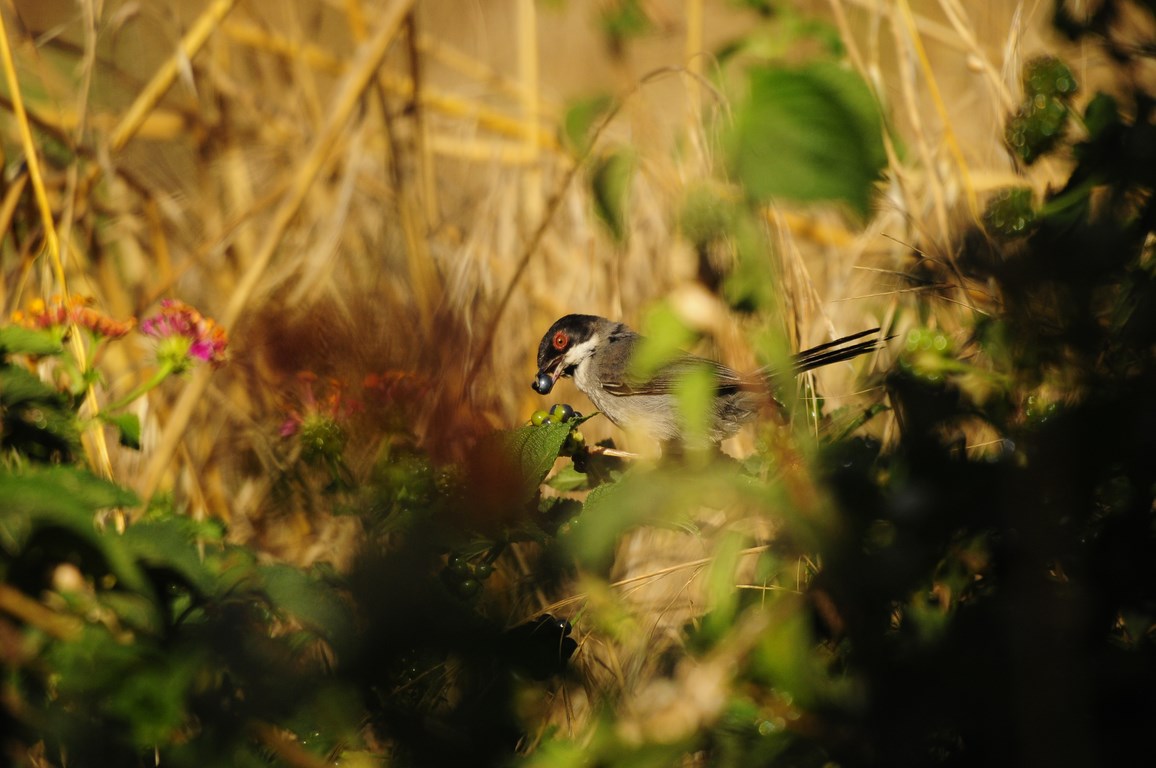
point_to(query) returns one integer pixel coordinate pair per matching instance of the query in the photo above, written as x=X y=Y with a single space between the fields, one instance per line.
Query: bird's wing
x=665 y=380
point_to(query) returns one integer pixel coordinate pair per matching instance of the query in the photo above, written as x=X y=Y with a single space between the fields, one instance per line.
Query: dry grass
x=367 y=186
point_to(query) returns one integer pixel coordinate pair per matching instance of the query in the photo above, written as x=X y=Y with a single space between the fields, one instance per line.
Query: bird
x=597 y=353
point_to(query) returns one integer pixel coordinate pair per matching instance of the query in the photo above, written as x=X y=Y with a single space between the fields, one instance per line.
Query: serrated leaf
x=171 y=544
x=15 y=340
x=309 y=600
x=809 y=133
x=533 y=450
x=18 y=387
x=128 y=424
x=67 y=498
x=35 y=418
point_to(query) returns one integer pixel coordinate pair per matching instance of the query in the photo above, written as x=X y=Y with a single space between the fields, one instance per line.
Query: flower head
x=75 y=310
x=317 y=424
x=185 y=336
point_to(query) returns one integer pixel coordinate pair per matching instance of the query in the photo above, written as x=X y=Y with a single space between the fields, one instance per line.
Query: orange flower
x=78 y=311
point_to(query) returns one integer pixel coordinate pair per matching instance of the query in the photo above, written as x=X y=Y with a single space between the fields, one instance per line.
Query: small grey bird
x=597 y=353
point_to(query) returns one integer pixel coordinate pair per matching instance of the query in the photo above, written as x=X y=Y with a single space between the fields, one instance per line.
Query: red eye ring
x=561 y=340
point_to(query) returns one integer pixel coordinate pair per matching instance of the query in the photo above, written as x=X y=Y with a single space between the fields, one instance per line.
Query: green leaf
x=172 y=544
x=665 y=339
x=624 y=20
x=581 y=117
x=569 y=479
x=28 y=341
x=533 y=450
x=129 y=426
x=35 y=419
x=1101 y=114
x=610 y=183
x=809 y=133
x=310 y=601
x=66 y=498
x=695 y=390
x=18 y=387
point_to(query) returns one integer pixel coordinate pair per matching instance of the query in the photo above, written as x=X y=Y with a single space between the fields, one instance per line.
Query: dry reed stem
x=475 y=70
x=102 y=461
x=398 y=85
x=939 y=32
x=166 y=75
x=527 y=32
x=958 y=17
x=427 y=188
x=949 y=137
x=693 y=53
x=19 y=605
x=349 y=91
x=551 y=208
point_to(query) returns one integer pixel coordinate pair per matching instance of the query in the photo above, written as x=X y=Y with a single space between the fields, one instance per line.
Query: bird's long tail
x=838 y=350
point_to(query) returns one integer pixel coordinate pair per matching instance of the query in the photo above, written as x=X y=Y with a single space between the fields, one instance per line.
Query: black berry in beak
x=543 y=384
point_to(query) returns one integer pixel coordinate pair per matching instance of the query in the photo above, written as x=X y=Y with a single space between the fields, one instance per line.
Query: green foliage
x=128 y=425
x=1039 y=123
x=35 y=419
x=15 y=340
x=1009 y=214
x=581 y=119
x=533 y=451
x=610 y=179
x=624 y=20
x=808 y=133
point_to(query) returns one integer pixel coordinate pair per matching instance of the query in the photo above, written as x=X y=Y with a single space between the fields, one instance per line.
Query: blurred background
x=387 y=203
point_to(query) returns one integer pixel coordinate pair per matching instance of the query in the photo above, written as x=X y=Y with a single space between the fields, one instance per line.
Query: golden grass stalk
x=348 y=94
x=101 y=461
x=949 y=137
x=398 y=85
x=146 y=101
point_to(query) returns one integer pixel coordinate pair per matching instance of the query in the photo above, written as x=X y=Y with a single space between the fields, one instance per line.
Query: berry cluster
x=927 y=354
x=463 y=577
x=559 y=413
x=1010 y=213
x=1039 y=123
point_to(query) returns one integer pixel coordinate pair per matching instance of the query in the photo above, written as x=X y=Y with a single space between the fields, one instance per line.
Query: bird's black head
x=556 y=350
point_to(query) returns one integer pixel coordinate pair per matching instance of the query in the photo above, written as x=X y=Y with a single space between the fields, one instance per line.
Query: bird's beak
x=547 y=377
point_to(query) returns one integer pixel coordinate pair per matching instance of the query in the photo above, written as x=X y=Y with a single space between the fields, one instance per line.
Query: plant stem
x=162 y=373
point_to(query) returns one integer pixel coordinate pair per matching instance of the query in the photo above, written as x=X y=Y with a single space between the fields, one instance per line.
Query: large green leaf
x=610 y=184
x=67 y=499
x=35 y=419
x=28 y=341
x=532 y=451
x=129 y=426
x=172 y=544
x=670 y=497
x=808 y=133
x=310 y=600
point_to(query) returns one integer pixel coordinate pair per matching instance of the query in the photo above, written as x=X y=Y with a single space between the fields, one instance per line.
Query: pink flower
x=317 y=424
x=185 y=335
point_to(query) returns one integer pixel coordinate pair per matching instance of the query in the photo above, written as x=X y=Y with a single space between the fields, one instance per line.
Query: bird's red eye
x=561 y=340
